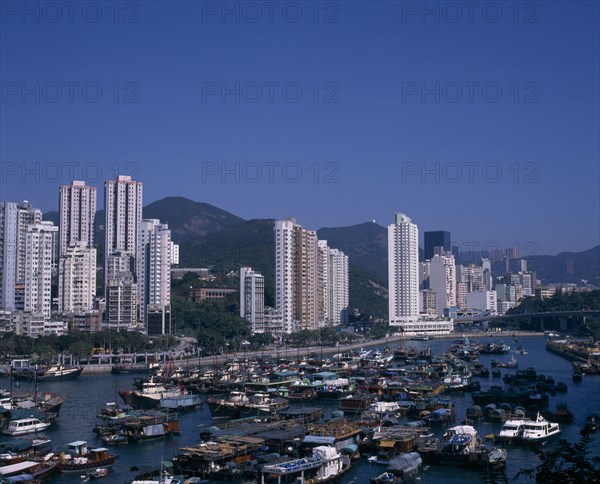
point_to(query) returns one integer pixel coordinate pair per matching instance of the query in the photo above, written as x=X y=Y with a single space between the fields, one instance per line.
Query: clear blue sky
x=381 y=61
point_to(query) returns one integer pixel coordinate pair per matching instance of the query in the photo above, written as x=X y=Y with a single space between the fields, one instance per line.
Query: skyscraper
x=403 y=271
x=154 y=276
x=252 y=298
x=77 y=208
x=8 y=254
x=77 y=278
x=442 y=280
x=26 y=215
x=433 y=239
x=123 y=207
x=311 y=279
x=306 y=278
x=333 y=285
x=284 y=272
x=38 y=268
x=338 y=287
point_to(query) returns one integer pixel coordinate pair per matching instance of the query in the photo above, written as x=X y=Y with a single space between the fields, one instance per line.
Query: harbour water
x=89 y=393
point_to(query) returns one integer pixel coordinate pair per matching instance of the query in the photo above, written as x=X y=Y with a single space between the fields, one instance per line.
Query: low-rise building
x=203 y=293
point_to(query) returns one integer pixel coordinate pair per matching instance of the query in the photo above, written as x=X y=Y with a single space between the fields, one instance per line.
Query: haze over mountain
x=210 y=236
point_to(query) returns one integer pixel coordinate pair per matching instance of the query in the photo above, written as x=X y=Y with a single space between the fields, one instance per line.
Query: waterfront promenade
x=295 y=352
x=179 y=357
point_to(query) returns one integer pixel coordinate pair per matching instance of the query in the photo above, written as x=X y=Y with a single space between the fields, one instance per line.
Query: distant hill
x=365 y=245
x=188 y=219
x=567 y=267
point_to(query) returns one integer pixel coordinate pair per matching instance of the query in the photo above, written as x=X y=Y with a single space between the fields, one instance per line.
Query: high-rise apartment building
x=77 y=209
x=284 y=272
x=403 y=271
x=154 y=275
x=121 y=303
x=306 y=278
x=77 y=278
x=38 y=268
x=338 y=287
x=123 y=207
x=252 y=299
x=8 y=254
x=311 y=279
x=26 y=215
x=442 y=280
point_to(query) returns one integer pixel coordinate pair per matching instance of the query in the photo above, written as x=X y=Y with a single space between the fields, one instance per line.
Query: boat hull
x=63 y=466
x=61 y=375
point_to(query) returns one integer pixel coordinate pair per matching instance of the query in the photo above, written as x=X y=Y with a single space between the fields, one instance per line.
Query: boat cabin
x=78 y=447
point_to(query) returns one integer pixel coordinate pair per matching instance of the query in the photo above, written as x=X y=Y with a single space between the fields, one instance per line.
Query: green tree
x=565 y=464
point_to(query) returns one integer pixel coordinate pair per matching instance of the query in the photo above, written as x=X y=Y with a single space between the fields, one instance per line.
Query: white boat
x=25 y=426
x=539 y=429
x=326 y=464
x=512 y=430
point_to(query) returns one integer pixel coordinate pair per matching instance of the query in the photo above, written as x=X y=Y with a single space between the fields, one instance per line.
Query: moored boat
x=325 y=465
x=25 y=426
x=78 y=457
x=539 y=430
x=240 y=404
x=27 y=471
x=59 y=372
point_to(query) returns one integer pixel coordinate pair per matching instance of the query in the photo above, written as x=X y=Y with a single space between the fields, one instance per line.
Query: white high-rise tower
x=77 y=208
x=403 y=271
x=123 y=206
x=252 y=298
x=38 y=268
x=8 y=254
x=284 y=272
x=154 y=276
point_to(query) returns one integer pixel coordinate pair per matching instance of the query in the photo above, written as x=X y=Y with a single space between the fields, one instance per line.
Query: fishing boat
x=461 y=446
x=27 y=471
x=25 y=426
x=325 y=465
x=78 y=457
x=21 y=449
x=539 y=430
x=151 y=395
x=239 y=404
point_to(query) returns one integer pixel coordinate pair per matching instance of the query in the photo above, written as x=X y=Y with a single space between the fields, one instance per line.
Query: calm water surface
x=88 y=394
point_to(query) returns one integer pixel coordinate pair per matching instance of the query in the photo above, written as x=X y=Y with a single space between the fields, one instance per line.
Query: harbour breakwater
x=581 y=351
